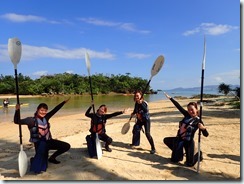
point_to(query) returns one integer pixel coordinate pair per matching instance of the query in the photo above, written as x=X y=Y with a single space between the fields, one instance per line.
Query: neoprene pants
x=137 y=135
x=177 y=147
x=60 y=147
x=104 y=137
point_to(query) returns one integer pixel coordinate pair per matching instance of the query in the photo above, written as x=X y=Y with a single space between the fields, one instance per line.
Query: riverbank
x=3 y=96
x=20 y=96
x=221 y=150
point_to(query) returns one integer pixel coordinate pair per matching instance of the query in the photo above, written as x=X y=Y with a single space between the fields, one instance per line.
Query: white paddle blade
x=204 y=55
x=14 y=50
x=88 y=63
x=157 y=65
x=23 y=162
x=125 y=128
x=98 y=147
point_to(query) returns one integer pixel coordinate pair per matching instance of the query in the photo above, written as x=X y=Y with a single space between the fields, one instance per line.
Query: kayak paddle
x=155 y=69
x=98 y=143
x=201 y=102
x=126 y=127
x=158 y=63
x=14 y=50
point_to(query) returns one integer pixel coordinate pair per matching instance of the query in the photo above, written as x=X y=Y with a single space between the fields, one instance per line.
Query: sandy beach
x=221 y=149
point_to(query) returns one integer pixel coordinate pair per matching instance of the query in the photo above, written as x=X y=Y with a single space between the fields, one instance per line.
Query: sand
x=221 y=149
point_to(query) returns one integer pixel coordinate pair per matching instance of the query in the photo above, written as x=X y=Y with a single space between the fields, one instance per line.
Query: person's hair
x=193 y=104
x=137 y=91
x=41 y=105
x=105 y=108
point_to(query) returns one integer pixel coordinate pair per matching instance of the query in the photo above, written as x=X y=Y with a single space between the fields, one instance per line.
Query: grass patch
x=235 y=104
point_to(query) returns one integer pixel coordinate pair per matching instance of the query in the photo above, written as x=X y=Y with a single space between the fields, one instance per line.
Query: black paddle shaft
x=200 y=116
x=201 y=99
x=17 y=95
x=145 y=88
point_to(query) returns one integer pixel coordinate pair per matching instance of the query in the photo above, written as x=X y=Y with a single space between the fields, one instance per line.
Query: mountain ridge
x=207 y=88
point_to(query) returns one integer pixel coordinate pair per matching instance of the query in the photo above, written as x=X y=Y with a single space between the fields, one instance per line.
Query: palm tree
x=237 y=90
x=224 y=88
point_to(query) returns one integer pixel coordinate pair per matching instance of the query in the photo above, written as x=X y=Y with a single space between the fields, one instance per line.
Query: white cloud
x=99 y=22
x=137 y=55
x=25 y=18
x=231 y=77
x=40 y=73
x=211 y=29
x=131 y=27
x=191 y=32
x=22 y=18
x=125 y=26
x=69 y=71
x=35 y=52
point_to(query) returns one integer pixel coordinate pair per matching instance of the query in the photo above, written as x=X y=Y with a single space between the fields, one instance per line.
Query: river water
x=79 y=104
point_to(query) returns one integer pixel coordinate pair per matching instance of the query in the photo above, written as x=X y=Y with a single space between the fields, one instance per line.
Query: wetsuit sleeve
x=25 y=121
x=204 y=132
x=88 y=114
x=144 y=107
x=107 y=116
x=178 y=106
x=56 y=109
x=16 y=116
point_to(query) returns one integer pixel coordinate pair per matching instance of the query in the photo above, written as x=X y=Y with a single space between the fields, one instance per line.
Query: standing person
x=5 y=103
x=142 y=119
x=40 y=135
x=185 y=135
x=98 y=122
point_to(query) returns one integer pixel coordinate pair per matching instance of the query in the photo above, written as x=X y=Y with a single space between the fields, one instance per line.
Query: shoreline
x=2 y=96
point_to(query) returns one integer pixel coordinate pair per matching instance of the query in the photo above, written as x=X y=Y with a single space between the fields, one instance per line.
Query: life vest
x=98 y=124
x=187 y=128
x=40 y=130
x=140 y=114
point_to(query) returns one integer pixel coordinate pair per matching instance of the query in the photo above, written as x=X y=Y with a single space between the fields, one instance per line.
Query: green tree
x=7 y=84
x=67 y=83
x=224 y=88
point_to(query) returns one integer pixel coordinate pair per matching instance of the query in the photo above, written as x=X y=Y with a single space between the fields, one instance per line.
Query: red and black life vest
x=98 y=124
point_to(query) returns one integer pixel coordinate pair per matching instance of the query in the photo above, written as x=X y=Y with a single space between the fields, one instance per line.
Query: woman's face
x=102 y=110
x=42 y=112
x=137 y=97
x=192 y=111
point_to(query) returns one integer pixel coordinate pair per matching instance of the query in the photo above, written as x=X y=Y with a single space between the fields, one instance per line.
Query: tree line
x=67 y=83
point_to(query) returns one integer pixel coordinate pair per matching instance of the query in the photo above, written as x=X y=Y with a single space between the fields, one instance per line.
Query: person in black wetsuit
x=98 y=122
x=5 y=103
x=142 y=119
x=40 y=135
x=185 y=135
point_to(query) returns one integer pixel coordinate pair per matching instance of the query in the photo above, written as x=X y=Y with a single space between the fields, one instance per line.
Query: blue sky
x=125 y=36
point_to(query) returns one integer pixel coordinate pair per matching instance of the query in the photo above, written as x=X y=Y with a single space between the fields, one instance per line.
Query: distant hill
x=206 y=88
